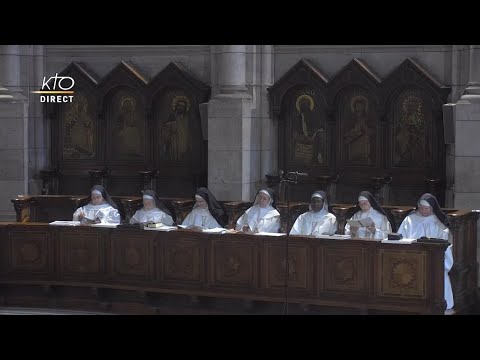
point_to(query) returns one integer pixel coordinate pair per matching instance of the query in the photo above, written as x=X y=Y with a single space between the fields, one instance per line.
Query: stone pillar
x=231 y=69
x=10 y=67
x=465 y=115
x=39 y=139
x=231 y=171
x=269 y=128
x=13 y=132
x=472 y=91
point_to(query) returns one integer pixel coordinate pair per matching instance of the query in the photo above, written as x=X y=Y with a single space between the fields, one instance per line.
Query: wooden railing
x=130 y=270
x=464 y=273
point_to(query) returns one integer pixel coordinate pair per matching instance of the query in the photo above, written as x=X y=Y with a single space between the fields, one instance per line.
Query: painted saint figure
x=128 y=135
x=308 y=135
x=174 y=133
x=358 y=138
x=79 y=130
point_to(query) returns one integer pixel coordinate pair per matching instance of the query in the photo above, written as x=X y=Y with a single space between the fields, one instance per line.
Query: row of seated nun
x=426 y=220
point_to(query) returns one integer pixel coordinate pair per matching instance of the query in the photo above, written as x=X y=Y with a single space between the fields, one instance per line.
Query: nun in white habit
x=101 y=209
x=318 y=220
x=369 y=208
x=153 y=211
x=207 y=213
x=262 y=216
x=428 y=220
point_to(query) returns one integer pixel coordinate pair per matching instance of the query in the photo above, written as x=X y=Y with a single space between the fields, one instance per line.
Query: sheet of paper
x=162 y=228
x=270 y=234
x=334 y=237
x=65 y=223
x=215 y=231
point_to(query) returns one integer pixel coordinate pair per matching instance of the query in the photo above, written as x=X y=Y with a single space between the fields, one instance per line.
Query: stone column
x=472 y=91
x=465 y=158
x=230 y=169
x=39 y=142
x=10 y=67
x=231 y=69
x=13 y=132
x=269 y=128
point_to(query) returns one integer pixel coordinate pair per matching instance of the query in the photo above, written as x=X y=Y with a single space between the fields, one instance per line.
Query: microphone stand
x=285 y=178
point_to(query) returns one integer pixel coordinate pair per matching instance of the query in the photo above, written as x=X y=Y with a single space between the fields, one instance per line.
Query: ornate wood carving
x=179 y=149
x=183 y=259
x=402 y=274
x=413 y=101
x=182 y=208
x=234 y=263
x=133 y=255
x=130 y=206
x=299 y=272
x=30 y=251
x=398 y=216
x=22 y=207
x=370 y=129
x=341 y=214
x=342 y=270
x=82 y=253
x=230 y=268
x=234 y=210
x=105 y=127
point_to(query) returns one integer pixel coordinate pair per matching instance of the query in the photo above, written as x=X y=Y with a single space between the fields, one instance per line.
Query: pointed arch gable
x=302 y=73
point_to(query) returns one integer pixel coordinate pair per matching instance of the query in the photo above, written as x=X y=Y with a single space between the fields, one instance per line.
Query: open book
x=155 y=225
x=361 y=222
x=160 y=228
x=88 y=220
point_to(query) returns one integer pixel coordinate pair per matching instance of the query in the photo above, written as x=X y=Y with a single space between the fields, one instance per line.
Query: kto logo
x=60 y=85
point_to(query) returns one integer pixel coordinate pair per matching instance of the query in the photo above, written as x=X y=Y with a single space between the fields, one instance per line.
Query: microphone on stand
x=290 y=177
x=298 y=174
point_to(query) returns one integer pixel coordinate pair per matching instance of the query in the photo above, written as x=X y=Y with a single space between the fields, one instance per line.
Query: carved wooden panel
x=402 y=273
x=343 y=270
x=175 y=113
x=183 y=260
x=358 y=121
x=79 y=128
x=415 y=144
x=75 y=128
x=377 y=131
x=82 y=253
x=404 y=278
x=132 y=255
x=233 y=263
x=305 y=114
x=31 y=251
x=300 y=267
x=123 y=123
x=126 y=125
x=412 y=131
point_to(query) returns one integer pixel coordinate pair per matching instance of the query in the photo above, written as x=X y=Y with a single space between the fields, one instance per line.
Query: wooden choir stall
x=352 y=132
x=131 y=270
